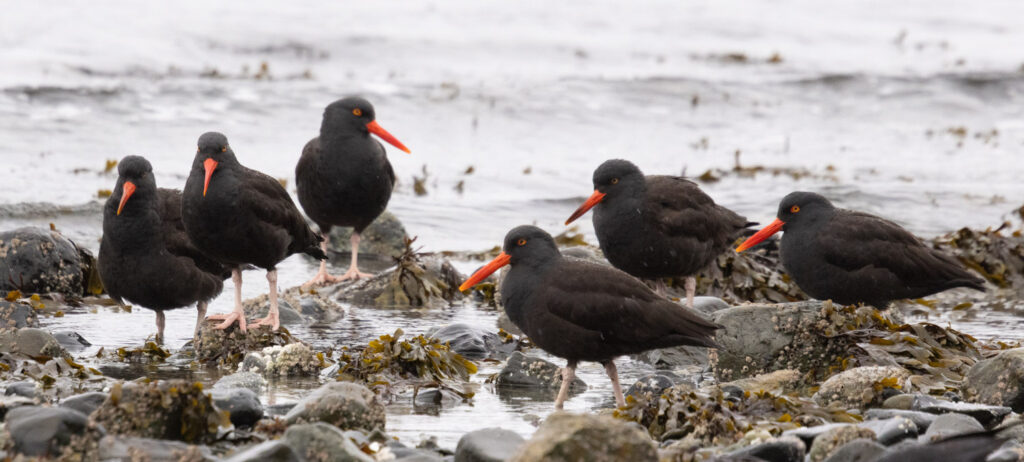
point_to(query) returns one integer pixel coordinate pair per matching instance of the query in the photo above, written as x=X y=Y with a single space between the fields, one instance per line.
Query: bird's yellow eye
x=615 y=181
x=521 y=242
x=357 y=112
x=794 y=209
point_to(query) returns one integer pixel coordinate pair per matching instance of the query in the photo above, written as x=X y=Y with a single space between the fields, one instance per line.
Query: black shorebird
x=344 y=177
x=852 y=257
x=145 y=255
x=584 y=311
x=241 y=217
x=657 y=226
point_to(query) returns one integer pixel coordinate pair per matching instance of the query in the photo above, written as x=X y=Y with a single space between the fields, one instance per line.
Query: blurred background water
x=911 y=110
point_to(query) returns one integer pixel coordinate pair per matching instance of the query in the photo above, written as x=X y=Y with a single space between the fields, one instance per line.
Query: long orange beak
x=761 y=235
x=376 y=129
x=210 y=165
x=127 y=190
x=589 y=204
x=487 y=270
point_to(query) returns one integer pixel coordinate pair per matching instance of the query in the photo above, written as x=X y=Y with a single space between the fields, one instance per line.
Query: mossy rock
x=173 y=410
x=227 y=348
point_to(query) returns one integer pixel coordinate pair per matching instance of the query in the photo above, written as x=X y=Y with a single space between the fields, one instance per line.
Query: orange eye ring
x=794 y=209
x=615 y=181
x=521 y=242
x=357 y=112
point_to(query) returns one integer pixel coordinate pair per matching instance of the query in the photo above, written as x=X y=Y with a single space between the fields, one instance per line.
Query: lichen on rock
x=173 y=409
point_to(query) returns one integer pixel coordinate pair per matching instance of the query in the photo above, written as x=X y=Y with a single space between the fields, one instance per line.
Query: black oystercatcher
x=240 y=217
x=145 y=255
x=584 y=311
x=344 y=178
x=851 y=257
x=657 y=226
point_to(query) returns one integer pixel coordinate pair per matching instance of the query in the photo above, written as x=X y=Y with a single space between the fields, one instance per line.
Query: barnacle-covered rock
x=173 y=409
x=346 y=405
x=565 y=437
x=414 y=281
x=998 y=380
x=830 y=441
x=31 y=342
x=226 y=348
x=15 y=315
x=293 y=359
x=861 y=387
x=40 y=261
x=296 y=306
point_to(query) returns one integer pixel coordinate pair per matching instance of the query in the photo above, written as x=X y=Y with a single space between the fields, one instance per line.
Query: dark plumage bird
x=242 y=217
x=343 y=176
x=584 y=311
x=852 y=257
x=145 y=255
x=657 y=226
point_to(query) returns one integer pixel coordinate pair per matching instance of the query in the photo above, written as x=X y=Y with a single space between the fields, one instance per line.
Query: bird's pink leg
x=236 y=314
x=691 y=290
x=613 y=374
x=322 y=278
x=161 y=321
x=200 y=315
x=353 y=269
x=568 y=375
x=273 y=319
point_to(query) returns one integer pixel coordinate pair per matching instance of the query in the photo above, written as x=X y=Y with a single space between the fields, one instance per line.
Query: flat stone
x=71 y=341
x=113 y=447
x=42 y=431
x=488 y=445
x=85 y=403
x=829 y=442
x=345 y=405
x=787 y=449
x=949 y=425
x=921 y=419
x=856 y=388
x=902 y=402
x=892 y=430
x=323 y=442
x=565 y=436
x=987 y=415
x=860 y=450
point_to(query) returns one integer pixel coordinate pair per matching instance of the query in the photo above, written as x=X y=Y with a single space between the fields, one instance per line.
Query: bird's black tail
x=314 y=250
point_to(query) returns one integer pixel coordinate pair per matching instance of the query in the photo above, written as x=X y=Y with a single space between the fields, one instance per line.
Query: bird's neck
x=352 y=142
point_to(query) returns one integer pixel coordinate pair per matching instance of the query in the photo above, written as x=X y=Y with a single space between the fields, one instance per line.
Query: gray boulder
x=859 y=387
x=25 y=389
x=345 y=405
x=860 y=450
x=85 y=403
x=469 y=341
x=571 y=437
x=245 y=379
x=323 y=443
x=71 y=341
x=36 y=260
x=922 y=420
x=242 y=404
x=523 y=371
x=949 y=425
x=488 y=445
x=30 y=342
x=829 y=442
x=998 y=380
x=15 y=315
x=987 y=415
x=385 y=237
x=42 y=431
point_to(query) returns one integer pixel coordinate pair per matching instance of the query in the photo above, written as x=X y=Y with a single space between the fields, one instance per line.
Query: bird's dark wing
x=176 y=240
x=617 y=306
x=678 y=207
x=857 y=241
x=387 y=165
x=270 y=203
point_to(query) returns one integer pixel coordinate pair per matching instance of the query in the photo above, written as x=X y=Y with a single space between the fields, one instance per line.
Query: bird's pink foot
x=353 y=273
x=272 y=320
x=229 y=319
x=322 y=279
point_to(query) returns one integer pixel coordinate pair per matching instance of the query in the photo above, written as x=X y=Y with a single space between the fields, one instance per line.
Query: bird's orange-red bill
x=761 y=235
x=376 y=129
x=487 y=270
x=127 y=190
x=210 y=165
x=589 y=204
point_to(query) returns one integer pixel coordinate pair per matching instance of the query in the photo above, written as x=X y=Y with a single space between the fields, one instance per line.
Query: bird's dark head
x=613 y=178
x=797 y=209
x=213 y=150
x=134 y=178
x=354 y=115
x=524 y=245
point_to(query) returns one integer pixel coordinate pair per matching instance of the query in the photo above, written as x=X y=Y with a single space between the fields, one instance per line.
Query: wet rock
x=570 y=437
x=680 y=357
x=528 y=372
x=430 y=282
x=708 y=305
x=986 y=414
x=922 y=420
x=36 y=260
x=808 y=434
x=903 y=402
x=891 y=431
x=860 y=450
x=245 y=379
x=292 y=360
x=650 y=387
x=322 y=442
x=242 y=404
x=173 y=409
x=15 y=315
x=437 y=398
x=71 y=341
x=488 y=445
x=949 y=425
x=30 y=342
x=226 y=348
x=998 y=380
x=151 y=450
x=752 y=276
x=345 y=405
x=779 y=382
x=469 y=341
x=385 y=237
x=42 y=431
x=85 y=403
x=830 y=441
x=861 y=387
x=776 y=450
x=296 y=307
x=267 y=451
x=7 y=403
x=25 y=389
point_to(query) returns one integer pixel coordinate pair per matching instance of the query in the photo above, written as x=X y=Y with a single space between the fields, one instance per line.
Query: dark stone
x=437 y=397
x=36 y=260
x=243 y=405
x=26 y=389
x=469 y=341
x=246 y=379
x=892 y=430
x=777 y=450
x=921 y=419
x=118 y=447
x=862 y=450
x=268 y=451
x=650 y=387
x=987 y=415
x=15 y=315
x=529 y=372
x=998 y=380
x=488 y=445
x=85 y=403
x=949 y=425
x=42 y=431
x=71 y=341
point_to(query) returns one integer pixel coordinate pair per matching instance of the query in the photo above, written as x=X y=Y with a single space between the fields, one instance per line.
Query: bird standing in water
x=241 y=217
x=657 y=226
x=852 y=257
x=584 y=311
x=344 y=177
x=145 y=255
